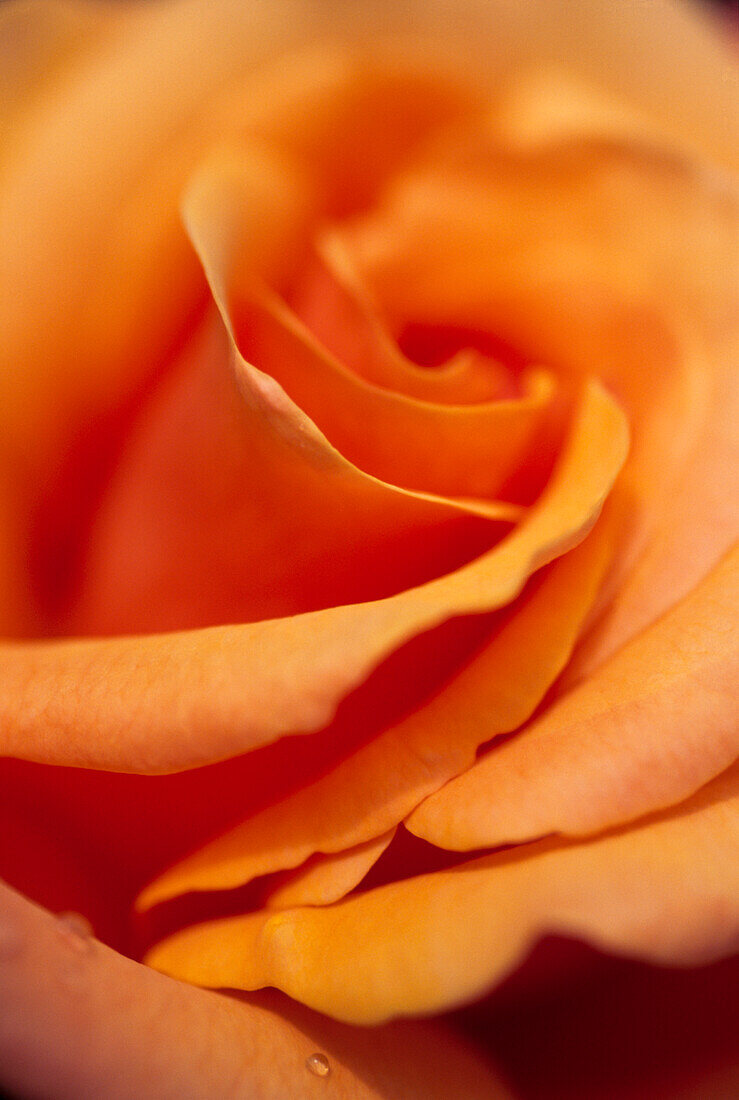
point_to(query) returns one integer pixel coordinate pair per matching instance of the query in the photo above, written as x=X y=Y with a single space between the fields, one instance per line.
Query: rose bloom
x=369 y=491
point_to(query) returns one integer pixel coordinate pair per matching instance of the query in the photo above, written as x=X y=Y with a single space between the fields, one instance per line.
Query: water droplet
x=76 y=929
x=318 y=1064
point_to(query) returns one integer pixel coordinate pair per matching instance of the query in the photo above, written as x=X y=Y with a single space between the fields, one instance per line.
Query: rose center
x=434 y=345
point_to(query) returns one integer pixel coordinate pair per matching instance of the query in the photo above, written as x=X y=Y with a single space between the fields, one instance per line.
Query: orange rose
x=370 y=394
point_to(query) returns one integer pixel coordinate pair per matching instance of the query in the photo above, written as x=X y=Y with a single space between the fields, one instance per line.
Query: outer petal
x=37 y=49
x=651 y=55
x=703 y=484
x=374 y=788
x=80 y=1020
x=211 y=694
x=667 y=890
x=645 y=731
x=77 y=162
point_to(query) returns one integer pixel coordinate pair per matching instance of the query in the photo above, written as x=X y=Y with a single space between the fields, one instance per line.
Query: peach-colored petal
x=464 y=451
x=666 y=890
x=338 y=307
x=215 y=693
x=82 y=153
x=545 y=105
x=79 y=182
x=651 y=56
x=97 y=279
x=699 y=478
x=461 y=451
x=473 y=227
x=645 y=731
x=94 y=177
x=257 y=476
x=128 y=99
x=81 y=1020
x=656 y=311
x=95 y=115
x=324 y=879
x=152 y=563
x=35 y=52
x=374 y=788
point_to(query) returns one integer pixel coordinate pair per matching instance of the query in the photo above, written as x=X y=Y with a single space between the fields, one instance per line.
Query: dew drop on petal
x=318 y=1064
x=76 y=929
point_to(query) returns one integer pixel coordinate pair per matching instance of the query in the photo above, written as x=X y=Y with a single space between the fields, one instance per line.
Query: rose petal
x=650 y=55
x=666 y=890
x=464 y=451
x=35 y=53
x=258 y=477
x=658 y=313
x=215 y=693
x=645 y=731
x=87 y=333
x=200 y=460
x=100 y=119
x=473 y=227
x=699 y=477
x=338 y=307
x=374 y=788
x=81 y=1020
x=546 y=105
x=324 y=879
x=78 y=160
x=96 y=179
